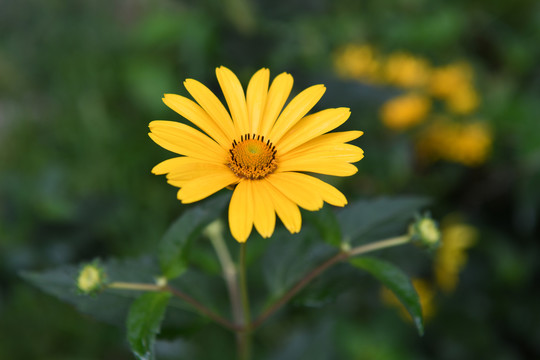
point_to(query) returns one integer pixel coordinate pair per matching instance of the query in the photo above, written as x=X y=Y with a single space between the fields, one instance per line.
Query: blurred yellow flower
x=357 y=62
x=447 y=80
x=405 y=70
x=465 y=143
x=463 y=101
x=426 y=294
x=259 y=147
x=405 y=111
x=452 y=254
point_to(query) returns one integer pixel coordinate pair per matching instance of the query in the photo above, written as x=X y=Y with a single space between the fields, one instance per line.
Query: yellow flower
x=463 y=101
x=405 y=70
x=405 y=111
x=468 y=144
x=357 y=62
x=260 y=148
x=451 y=255
x=446 y=81
x=425 y=292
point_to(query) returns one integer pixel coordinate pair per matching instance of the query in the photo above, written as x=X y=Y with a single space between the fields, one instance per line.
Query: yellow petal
x=204 y=186
x=326 y=166
x=264 y=214
x=183 y=169
x=328 y=193
x=211 y=104
x=312 y=126
x=277 y=96
x=257 y=92
x=288 y=211
x=337 y=152
x=179 y=164
x=297 y=108
x=194 y=113
x=185 y=140
x=234 y=95
x=325 y=140
x=287 y=184
x=241 y=211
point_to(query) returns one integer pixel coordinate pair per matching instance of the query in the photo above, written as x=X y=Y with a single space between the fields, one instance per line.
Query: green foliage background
x=80 y=81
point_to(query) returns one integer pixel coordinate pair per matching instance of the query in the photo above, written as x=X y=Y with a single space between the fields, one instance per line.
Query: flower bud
x=425 y=232
x=91 y=279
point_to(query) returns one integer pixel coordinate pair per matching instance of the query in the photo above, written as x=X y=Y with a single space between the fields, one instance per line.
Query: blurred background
x=447 y=94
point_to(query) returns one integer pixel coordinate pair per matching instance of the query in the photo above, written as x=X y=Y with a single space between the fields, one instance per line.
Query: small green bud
x=345 y=246
x=91 y=279
x=425 y=232
x=161 y=281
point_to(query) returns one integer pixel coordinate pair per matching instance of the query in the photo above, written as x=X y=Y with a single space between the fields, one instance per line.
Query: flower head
x=405 y=70
x=259 y=147
x=451 y=257
x=357 y=62
x=405 y=111
x=466 y=143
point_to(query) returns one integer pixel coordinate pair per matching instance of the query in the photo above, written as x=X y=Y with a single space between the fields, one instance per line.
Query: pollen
x=252 y=158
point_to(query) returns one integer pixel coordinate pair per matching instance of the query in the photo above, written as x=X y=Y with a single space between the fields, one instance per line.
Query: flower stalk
x=238 y=291
x=245 y=335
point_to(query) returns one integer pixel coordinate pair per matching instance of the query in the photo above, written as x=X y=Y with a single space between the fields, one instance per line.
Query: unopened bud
x=91 y=279
x=425 y=232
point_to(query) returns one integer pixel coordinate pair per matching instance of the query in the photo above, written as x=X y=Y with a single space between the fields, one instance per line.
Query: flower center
x=252 y=157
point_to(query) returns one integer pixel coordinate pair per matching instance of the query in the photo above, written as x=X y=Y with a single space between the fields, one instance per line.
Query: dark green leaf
x=326 y=223
x=174 y=246
x=111 y=305
x=378 y=218
x=290 y=256
x=144 y=322
x=395 y=280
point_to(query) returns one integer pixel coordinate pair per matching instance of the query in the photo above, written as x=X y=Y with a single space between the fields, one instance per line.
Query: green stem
x=229 y=274
x=343 y=255
x=179 y=294
x=362 y=249
x=245 y=335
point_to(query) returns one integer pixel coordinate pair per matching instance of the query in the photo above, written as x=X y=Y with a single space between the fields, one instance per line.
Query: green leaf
x=290 y=257
x=174 y=247
x=378 y=218
x=144 y=322
x=110 y=306
x=326 y=223
x=395 y=280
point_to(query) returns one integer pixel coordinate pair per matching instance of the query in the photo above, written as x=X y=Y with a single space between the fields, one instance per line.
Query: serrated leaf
x=174 y=246
x=326 y=223
x=379 y=217
x=144 y=323
x=397 y=281
x=109 y=306
x=289 y=258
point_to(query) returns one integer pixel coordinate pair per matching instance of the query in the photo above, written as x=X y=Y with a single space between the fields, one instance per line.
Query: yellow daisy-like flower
x=405 y=111
x=259 y=147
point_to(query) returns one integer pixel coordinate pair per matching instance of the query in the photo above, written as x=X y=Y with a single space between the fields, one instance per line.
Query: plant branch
x=229 y=274
x=343 y=255
x=245 y=336
x=179 y=294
